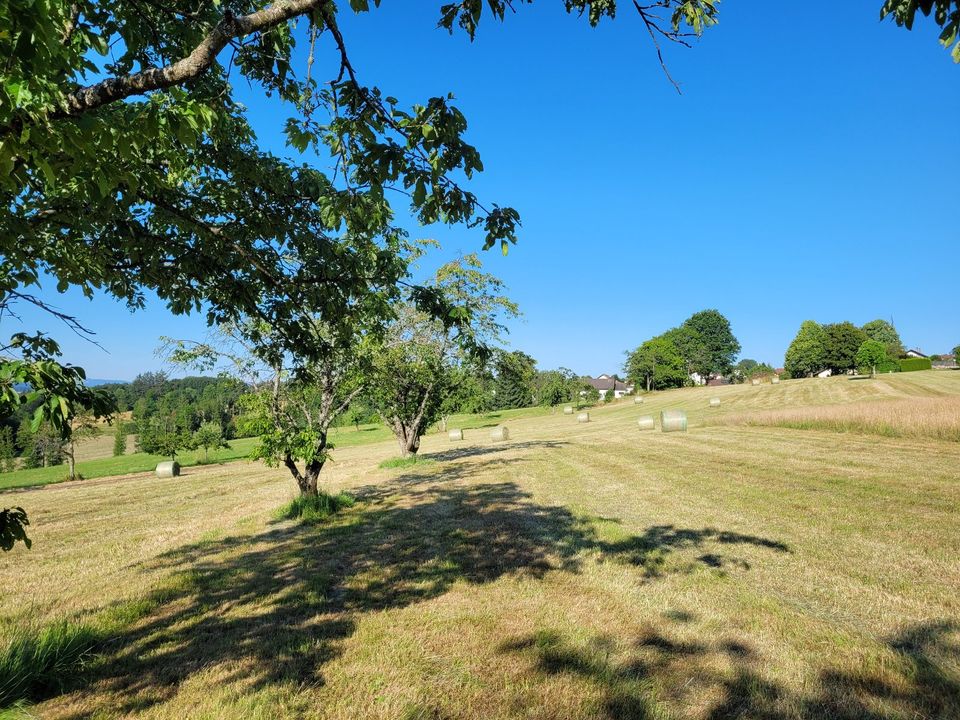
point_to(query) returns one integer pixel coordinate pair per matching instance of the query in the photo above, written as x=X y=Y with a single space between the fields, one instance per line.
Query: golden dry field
x=789 y=556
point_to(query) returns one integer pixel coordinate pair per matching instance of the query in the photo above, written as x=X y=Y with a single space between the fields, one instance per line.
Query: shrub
x=314 y=508
x=36 y=662
x=913 y=364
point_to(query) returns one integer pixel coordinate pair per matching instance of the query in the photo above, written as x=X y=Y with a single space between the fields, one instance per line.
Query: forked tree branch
x=193 y=65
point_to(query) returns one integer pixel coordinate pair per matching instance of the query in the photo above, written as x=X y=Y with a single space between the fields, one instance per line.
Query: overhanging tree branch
x=197 y=62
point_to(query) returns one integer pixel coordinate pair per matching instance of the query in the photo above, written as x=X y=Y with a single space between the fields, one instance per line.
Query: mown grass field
x=577 y=571
x=95 y=458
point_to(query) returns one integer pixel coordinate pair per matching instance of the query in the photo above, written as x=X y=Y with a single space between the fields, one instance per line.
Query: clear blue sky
x=808 y=171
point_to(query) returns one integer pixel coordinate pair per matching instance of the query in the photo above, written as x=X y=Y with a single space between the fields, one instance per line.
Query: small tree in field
x=119 y=439
x=956 y=354
x=415 y=364
x=162 y=436
x=41 y=446
x=871 y=354
x=209 y=435
x=412 y=380
x=83 y=426
x=294 y=399
x=7 y=450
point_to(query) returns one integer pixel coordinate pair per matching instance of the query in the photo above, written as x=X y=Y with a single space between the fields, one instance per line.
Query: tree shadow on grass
x=468 y=451
x=271 y=609
x=726 y=677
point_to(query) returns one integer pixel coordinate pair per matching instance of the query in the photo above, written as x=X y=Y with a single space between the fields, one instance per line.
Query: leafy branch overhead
x=946 y=14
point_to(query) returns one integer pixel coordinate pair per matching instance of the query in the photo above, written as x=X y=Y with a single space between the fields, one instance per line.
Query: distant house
x=943 y=362
x=711 y=379
x=915 y=354
x=607 y=383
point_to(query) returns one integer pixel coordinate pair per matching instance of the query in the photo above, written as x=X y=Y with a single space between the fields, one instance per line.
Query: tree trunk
x=72 y=465
x=407 y=438
x=311 y=479
x=308 y=479
x=409 y=444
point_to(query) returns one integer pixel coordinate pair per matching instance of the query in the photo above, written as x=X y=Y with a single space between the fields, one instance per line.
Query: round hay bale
x=673 y=421
x=645 y=422
x=499 y=433
x=568 y=410
x=755 y=381
x=714 y=402
x=583 y=417
x=775 y=379
x=455 y=435
x=168 y=469
x=638 y=400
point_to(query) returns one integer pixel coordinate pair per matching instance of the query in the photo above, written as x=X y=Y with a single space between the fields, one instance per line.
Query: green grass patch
x=405 y=462
x=38 y=661
x=314 y=508
x=122 y=465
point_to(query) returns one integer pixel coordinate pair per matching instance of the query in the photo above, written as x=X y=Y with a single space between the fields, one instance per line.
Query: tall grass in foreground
x=936 y=418
x=36 y=662
x=314 y=508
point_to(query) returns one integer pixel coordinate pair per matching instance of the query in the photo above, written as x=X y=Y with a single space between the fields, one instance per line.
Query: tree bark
x=312 y=477
x=308 y=479
x=407 y=438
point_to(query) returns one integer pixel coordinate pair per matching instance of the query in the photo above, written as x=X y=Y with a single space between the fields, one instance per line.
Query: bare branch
x=651 y=25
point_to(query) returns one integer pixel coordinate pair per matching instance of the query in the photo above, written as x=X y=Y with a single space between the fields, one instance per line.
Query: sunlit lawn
x=576 y=571
x=135 y=462
x=122 y=465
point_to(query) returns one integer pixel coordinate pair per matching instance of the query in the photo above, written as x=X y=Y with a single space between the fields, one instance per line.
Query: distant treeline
x=843 y=347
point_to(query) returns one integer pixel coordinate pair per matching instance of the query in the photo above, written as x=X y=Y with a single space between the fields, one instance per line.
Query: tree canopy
x=415 y=364
x=807 y=354
x=703 y=344
x=717 y=347
x=870 y=355
x=843 y=339
x=946 y=13
x=885 y=333
x=515 y=374
x=657 y=364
